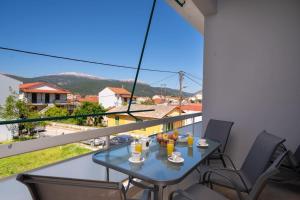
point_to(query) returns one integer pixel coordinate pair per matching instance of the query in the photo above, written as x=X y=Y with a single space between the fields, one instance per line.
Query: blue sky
x=106 y=31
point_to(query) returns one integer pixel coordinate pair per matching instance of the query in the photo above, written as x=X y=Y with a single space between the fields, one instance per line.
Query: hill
x=90 y=85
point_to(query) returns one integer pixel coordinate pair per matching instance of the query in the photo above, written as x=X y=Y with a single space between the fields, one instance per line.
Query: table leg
x=107 y=174
x=158 y=192
x=128 y=185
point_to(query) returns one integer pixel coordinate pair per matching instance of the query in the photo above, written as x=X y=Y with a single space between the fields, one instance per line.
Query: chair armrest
x=232 y=182
x=181 y=192
x=146 y=195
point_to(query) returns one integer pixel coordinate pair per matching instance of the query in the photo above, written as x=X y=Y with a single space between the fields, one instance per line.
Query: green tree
x=56 y=112
x=88 y=108
x=148 y=102
x=15 y=108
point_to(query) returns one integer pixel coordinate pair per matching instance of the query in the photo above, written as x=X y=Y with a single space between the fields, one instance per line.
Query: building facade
x=113 y=97
x=42 y=94
x=7 y=86
x=159 y=112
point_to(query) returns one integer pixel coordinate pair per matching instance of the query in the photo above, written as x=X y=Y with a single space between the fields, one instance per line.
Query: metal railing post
x=107 y=142
x=193 y=126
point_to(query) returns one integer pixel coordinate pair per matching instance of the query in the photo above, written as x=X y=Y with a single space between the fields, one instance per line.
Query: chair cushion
x=232 y=175
x=199 y=191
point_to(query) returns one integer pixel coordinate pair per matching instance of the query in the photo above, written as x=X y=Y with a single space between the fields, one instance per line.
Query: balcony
x=251 y=77
x=82 y=167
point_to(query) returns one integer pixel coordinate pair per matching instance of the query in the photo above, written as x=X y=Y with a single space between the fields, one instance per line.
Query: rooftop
x=160 y=111
x=89 y=98
x=42 y=87
x=192 y=107
x=119 y=90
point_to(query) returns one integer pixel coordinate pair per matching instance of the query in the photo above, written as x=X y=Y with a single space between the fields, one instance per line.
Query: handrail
x=16 y=148
x=16 y=121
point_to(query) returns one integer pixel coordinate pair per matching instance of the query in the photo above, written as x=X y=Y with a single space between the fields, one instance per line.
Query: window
x=57 y=97
x=117 y=120
x=34 y=98
x=169 y=126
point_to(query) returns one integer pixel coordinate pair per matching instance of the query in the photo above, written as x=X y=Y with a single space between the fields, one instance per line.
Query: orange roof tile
x=89 y=98
x=192 y=107
x=32 y=88
x=119 y=90
x=30 y=85
x=158 y=101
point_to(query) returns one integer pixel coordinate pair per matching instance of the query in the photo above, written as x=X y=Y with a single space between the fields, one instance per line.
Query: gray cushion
x=199 y=191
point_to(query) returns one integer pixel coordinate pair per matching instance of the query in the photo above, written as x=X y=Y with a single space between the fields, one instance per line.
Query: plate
x=202 y=145
x=179 y=160
x=136 y=161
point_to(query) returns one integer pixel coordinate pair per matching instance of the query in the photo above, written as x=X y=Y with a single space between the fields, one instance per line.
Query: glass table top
x=156 y=168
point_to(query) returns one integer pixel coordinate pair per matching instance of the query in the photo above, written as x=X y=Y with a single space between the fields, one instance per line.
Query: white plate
x=136 y=161
x=202 y=145
x=178 y=160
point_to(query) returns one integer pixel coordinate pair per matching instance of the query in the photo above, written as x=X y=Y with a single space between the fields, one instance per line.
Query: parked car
x=121 y=139
x=38 y=129
x=95 y=142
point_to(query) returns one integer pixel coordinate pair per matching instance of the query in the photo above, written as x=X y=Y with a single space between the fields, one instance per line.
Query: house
x=113 y=96
x=159 y=112
x=141 y=100
x=157 y=99
x=190 y=109
x=197 y=97
x=40 y=94
x=73 y=98
x=7 y=86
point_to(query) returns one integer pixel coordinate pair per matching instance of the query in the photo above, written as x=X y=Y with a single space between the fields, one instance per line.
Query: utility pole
x=181 y=75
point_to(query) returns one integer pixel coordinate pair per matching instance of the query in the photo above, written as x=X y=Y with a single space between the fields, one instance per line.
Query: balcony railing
x=7 y=150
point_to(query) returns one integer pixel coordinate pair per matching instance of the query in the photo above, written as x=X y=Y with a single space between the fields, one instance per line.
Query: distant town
x=44 y=99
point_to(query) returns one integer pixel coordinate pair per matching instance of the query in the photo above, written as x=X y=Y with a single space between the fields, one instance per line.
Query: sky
x=105 y=31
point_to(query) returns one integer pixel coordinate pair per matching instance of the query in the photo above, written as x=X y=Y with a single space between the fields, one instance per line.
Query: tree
x=56 y=112
x=148 y=102
x=15 y=108
x=89 y=108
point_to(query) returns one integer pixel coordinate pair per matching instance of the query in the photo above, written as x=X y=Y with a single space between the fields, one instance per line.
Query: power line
x=193 y=80
x=193 y=76
x=81 y=60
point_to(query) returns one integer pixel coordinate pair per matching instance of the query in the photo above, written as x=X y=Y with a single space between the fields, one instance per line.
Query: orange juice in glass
x=138 y=147
x=170 y=147
x=176 y=133
x=190 y=140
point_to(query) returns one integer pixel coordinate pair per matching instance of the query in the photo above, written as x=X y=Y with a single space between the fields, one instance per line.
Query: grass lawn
x=24 y=162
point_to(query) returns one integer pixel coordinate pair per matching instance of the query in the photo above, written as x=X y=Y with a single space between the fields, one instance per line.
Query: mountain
x=85 y=84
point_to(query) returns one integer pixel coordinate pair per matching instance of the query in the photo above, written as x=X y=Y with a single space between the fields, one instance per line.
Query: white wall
x=5 y=84
x=252 y=70
x=108 y=98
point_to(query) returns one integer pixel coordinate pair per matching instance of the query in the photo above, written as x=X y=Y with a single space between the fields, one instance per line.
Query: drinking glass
x=138 y=147
x=170 y=147
x=190 y=140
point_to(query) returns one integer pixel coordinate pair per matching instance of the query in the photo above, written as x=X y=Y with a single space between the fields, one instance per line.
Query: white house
x=112 y=97
x=40 y=94
x=7 y=86
x=197 y=97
